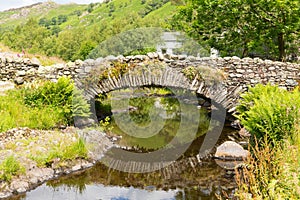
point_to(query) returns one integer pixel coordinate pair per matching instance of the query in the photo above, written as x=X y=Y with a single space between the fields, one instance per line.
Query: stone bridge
x=219 y=79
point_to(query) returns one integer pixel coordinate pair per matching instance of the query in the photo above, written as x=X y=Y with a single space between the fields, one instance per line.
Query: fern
x=269 y=110
x=62 y=95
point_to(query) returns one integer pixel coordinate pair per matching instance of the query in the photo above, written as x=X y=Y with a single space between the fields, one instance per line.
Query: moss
x=118 y=69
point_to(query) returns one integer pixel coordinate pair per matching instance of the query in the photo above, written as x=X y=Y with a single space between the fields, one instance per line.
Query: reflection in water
x=186 y=178
x=99 y=191
x=152 y=122
x=182 y=180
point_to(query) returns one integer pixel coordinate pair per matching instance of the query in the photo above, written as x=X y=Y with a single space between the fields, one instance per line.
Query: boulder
x=35 y=62
x=19 y=80
x=231 y=151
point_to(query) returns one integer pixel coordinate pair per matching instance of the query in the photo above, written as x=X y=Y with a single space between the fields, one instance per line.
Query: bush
x=272 y=171
x=42 y=106
x=61 y=95
x=269 y=110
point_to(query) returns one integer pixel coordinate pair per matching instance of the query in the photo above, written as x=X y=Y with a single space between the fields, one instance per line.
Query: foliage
x=72 y=31
x=105 y=125
x=129 y=42
x=15 y=113
x=191 y=47
x=273 y=169
x=269 y=29
x=151 y=5
x=62 y=95
x=271 y=172
x=10 y=167
x=142 y=51
x=116 y=71
x=275 y=117
x=24 y=38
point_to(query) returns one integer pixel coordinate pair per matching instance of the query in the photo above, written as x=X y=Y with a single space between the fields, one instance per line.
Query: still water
x=147 y=122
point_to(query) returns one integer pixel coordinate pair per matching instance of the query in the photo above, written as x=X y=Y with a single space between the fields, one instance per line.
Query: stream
x=143 y=122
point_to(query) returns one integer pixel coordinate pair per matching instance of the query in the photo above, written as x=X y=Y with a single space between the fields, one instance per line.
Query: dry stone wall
x=238 y=73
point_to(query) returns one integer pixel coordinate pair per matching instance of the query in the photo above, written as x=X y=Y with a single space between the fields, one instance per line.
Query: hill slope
x=71 y=31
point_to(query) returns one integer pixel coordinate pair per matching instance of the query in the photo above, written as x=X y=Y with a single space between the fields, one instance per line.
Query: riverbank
x=34 y=151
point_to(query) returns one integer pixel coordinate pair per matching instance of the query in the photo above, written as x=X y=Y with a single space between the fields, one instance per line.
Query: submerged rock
x=228 y=165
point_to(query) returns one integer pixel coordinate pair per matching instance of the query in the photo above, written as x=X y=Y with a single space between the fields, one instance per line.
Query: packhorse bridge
x=219 y=79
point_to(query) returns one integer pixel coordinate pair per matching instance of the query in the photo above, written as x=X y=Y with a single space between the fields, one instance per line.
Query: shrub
x=61 y=95
x=269 y=110
x=9 y=168
x=272 y=115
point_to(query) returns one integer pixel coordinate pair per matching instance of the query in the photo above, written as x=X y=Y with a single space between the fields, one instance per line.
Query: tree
x=23 y=36
x=61 y=19
x=269 y=28
x=127 y=42
x=69 y=43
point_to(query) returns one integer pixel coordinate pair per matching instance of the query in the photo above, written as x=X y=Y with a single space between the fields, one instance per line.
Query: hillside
x=72 y=31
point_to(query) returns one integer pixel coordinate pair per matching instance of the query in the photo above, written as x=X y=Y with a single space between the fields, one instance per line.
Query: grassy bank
x=42 y=106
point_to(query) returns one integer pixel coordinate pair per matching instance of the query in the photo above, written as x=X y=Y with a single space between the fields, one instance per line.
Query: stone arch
x=157 y=74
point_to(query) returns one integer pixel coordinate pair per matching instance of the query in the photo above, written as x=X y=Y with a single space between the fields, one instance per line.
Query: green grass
x=6 y=16
x=10 y=167
x=72 y=151
x=99 y=15
x=272 y=173
x=165 y=13
x=42 y=106
x=14 y=113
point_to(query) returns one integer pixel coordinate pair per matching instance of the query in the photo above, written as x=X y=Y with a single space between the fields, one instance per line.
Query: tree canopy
x=264 y=28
